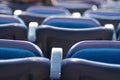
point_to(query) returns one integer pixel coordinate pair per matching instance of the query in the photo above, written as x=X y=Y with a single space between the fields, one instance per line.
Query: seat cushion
x=10 y=53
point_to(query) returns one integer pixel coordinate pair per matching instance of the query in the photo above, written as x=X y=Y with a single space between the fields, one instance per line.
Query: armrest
x=111 y=26
x=32 y=31
x=56 y=61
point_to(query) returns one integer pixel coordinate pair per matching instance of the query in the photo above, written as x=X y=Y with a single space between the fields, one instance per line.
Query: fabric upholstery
x=23 y=45
x=11 y=53
x=39 y=13
x=22 y=60
x=92 y=44
x=106 y=55
x=70 y=22
x=47 y=10
x=50 y=36
x=92 y=60
x=105 y=16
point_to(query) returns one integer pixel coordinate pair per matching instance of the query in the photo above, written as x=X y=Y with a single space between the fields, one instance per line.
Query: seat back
x=12 y=27
x=21 y=45
x=4 y=9
x=7 y=19
x=39 y=13
x=14 y=31
x=105 y=16
x=92 y=44
x=71 y=22
x=101 y=58
x=19 y=61
x=49 y=36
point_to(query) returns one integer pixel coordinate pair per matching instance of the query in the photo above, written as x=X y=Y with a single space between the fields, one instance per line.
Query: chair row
x=55 y=32
x=37 y=13
x=23 y=60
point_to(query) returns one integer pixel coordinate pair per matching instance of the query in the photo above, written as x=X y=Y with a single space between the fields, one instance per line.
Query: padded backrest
x=43 y=10
x=105 y=16
x=39 y=13
x=14 y=31
x=19 y=61
x=74 y=6
x=70 y=22
x=20 y=46
x=92 y=44
x=6 y=19
x=106 y=55
x=49 y=36
x=92 y=60
x=11 y=53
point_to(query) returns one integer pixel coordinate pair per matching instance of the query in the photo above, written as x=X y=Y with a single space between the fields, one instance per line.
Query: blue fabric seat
x=70 y=22
x=48 y=36
x=22 y=60
x=92 y=60
x=105 y=16
x=12 y=27
x=106 y=55
x=11 y=53
x=39 y=13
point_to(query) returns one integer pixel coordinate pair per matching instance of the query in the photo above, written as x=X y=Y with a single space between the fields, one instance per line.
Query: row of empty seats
x=23 y=60
x=54 y=32
x=63 y=47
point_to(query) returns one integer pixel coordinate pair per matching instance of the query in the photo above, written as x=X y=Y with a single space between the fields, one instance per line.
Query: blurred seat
x=67 y=31
x=13 y=31
x=12 y=27
x=111 y=5
x=71 y=22
x=105 y=16
x=22 y=60
x=92 y=60
x=16 y=4
x=72 y=6
x=4 y=9
x=6 y=19
x=39 y=13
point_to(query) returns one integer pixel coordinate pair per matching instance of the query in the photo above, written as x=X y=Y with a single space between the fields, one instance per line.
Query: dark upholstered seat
x=39 y=13
x=22 y=60
x=92 y=60
x=49 y=36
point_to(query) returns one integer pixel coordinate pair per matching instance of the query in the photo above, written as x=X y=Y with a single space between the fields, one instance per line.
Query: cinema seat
x=92 y=60
x=39 y=13
x=7 y=19
x=13 y=31
x=105 y=16
x=48 y=37
x=4 y=9
x=12 y=27
x=22 y=60
x=71 y=22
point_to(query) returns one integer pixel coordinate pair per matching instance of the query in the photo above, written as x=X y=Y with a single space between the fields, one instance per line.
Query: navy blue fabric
x=10 y=53
x=107 y=55
x=106 y=13
x=71 y=24
x=6 y=22
x=48 y=12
